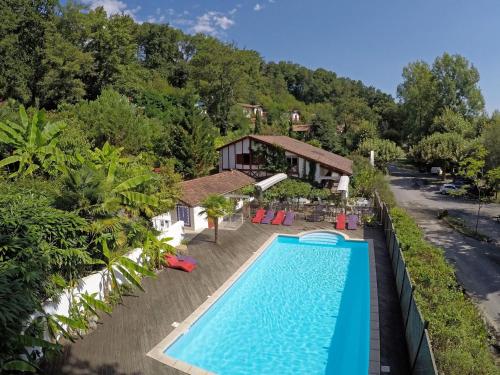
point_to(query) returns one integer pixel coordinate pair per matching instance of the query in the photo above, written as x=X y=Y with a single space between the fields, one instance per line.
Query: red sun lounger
x=280 y=216
x=258 y=216
x=340 y=222
x=180 y=264
x=289 y=217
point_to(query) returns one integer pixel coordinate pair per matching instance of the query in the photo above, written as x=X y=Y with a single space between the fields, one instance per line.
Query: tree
x=458 y=85
x=273 y=158
x=155 y=249
x=64 y=68
x=385 y=151
x=418 y=94
x=101 y=188
x=493 y=180
x=115 y=261
x=113 y=118
x=491 y=140
x=289 y=188
x=34 y=143
x=324 y=129
x=258 y=124
x=193 y=144
x=22 y=39
x=452 y=122
x=451 y=82
x=446 y=150
x=472 y=168
x=112 y=44
x=160 y=50
x=215 y=207
x=216 y=71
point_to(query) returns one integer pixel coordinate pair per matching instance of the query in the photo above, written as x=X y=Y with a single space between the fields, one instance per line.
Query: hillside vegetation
x=100 y=117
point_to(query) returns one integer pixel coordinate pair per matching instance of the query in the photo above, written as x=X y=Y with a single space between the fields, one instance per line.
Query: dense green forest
x=100 y=117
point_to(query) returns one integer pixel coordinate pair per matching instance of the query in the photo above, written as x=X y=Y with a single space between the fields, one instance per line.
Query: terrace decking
x=119 y=344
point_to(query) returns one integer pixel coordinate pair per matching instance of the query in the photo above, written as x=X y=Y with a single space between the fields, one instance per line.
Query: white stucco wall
x=199 y=222
x=98 y=281
x=317 y=173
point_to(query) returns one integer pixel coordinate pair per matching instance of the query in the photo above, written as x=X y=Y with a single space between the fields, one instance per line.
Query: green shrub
x=458 y=334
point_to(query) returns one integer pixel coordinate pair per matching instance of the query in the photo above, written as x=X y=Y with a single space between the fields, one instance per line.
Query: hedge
x=458 y=334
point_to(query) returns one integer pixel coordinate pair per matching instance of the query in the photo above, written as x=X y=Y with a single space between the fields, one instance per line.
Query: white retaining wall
x=96 y=282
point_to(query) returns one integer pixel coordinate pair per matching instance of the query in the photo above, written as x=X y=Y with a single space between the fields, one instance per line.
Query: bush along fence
x=415 y=327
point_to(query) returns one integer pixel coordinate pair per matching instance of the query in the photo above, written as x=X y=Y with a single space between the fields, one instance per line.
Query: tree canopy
x=101 y=116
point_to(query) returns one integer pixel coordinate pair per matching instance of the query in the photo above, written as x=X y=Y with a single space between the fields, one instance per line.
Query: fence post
x=397 y=267
x=395 y=246
x=426 y=324
x=409 y=307
x=402 y=283
x=391 y=241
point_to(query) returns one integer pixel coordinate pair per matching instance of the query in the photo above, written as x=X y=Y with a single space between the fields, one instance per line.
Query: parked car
x=446 y=188
x=437 y=170
x=459 y=182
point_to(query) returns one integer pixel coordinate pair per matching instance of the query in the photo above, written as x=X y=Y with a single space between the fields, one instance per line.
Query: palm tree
x=155 y=249
x=115 y=260
x=34 y=142
x=215 y=207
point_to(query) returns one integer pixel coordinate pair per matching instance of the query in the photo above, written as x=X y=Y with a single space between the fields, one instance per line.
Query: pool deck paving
x=119 y=344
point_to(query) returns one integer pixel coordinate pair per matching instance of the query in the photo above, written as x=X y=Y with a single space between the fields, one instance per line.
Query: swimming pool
x=301 y=306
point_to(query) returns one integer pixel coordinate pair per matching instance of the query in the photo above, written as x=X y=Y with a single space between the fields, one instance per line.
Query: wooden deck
x=119 y=344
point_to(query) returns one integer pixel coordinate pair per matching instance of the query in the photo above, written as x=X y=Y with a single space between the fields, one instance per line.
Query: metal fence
x=415 y=327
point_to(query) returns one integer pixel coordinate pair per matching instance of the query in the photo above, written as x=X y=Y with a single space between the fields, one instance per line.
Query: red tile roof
x=195 y=191
x=307 y=151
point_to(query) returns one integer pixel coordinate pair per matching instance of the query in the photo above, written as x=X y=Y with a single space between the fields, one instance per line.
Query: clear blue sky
x=370 y=40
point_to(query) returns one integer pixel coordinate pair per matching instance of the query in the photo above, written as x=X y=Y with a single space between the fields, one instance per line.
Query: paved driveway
x=477 y=263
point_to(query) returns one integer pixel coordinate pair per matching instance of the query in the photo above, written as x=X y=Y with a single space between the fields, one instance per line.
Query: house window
x=183 y=214
x=243 y=159
x=292 y=161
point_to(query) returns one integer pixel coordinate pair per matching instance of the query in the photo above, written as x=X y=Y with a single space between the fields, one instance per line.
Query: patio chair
x=340 y=224
x=175 y=262
x=269 y=216
x=280 y=216
x=289 y=217
x=352 y=222
x=259 y=215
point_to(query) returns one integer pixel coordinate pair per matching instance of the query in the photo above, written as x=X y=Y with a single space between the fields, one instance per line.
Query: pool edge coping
x=158 y=351
x=374 y=356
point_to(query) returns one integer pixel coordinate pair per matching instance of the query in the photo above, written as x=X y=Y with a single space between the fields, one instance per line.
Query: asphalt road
x=477 y=263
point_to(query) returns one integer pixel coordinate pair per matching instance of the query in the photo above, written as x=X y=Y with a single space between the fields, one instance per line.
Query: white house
x=252 y=110
x=295 y=116
x=304 y=160
x=194 y=191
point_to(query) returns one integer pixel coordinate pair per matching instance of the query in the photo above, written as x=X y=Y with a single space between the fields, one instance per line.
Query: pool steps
x=323 y=238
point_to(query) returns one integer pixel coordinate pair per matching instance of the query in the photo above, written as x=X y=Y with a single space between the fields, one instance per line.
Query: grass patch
x=458 y=334
x=460 y=226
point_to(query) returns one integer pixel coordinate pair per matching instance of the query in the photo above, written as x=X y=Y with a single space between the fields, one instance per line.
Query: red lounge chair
x=180 y=264
x=258 y=216
x=340 y=222
x=280 y=216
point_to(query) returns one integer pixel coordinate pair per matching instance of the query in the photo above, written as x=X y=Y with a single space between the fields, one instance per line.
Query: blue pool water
x=301 y=308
